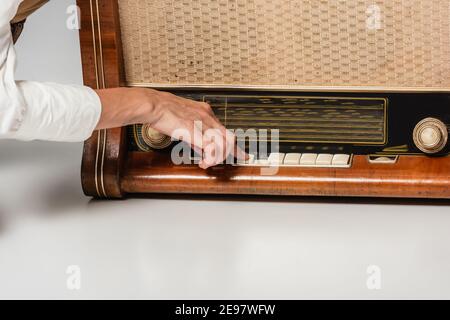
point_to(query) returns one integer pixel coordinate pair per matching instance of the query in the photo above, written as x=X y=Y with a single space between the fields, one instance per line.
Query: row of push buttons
x=322 y=160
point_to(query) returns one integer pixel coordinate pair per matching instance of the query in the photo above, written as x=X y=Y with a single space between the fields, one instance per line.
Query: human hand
x=191 y=121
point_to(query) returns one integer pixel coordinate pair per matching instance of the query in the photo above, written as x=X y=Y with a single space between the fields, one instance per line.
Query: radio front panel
x=367 y=124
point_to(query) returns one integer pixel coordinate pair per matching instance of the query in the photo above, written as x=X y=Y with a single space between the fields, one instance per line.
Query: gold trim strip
x=98 y=86
x=362 y=89
x=302 y=106
x=226 y=111
x=96 y=163
x=102 y=66
x=356 y=143
x=100 y=83
x=94 y=45
x=100 y=46
x=305 y=119
x=302 y=131
x=293 y=97
x=287 y=125
x=105 y=133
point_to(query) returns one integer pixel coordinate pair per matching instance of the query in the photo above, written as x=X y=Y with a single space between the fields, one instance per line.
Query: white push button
x=324 y=159
x=276 y=158
x=341 y=159
x=292 y=158
x=308 y=159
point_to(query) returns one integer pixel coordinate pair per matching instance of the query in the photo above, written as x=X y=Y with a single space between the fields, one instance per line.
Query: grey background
x=200 y=247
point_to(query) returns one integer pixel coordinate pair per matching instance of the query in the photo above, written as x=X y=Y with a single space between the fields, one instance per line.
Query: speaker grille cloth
x=302 y=43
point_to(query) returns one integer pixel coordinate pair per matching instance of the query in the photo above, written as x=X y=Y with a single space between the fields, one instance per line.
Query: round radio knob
x=430 y=135
x=154 y=139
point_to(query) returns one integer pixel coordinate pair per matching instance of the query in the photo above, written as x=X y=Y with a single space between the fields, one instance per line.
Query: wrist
x=151 y=103
x=126 y=106
x=143 y=102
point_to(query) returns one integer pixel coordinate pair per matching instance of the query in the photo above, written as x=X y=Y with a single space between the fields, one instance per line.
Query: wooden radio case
x=360 y=93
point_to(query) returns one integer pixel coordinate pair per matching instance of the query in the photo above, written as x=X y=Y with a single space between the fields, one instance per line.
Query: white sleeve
x=40 y=111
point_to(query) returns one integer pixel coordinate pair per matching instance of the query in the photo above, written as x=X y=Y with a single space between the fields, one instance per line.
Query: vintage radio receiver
x=358 y=91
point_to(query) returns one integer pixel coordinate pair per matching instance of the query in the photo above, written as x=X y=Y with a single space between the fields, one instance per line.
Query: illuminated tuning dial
x=430 y=135
x=154 y=139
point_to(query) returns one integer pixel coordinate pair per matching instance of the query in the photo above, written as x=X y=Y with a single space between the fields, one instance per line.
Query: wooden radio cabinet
x=360 y=93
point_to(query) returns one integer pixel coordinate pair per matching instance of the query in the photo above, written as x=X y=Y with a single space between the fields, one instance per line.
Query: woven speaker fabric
x=293 y=43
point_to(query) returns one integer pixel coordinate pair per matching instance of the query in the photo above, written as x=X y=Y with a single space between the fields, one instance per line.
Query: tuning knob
x=430 y=135
x=154 y=139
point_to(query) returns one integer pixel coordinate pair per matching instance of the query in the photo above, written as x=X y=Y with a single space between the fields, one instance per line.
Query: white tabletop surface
x=196 y=247
x=206 y=247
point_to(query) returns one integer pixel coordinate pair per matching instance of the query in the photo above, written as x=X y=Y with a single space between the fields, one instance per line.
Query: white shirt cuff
x=55 y=112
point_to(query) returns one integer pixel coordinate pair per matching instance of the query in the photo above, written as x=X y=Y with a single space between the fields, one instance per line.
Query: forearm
x=125 y=106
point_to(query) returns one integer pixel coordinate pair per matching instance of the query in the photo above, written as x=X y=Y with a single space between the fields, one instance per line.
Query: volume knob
x=430 y=135
x=155 y=139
